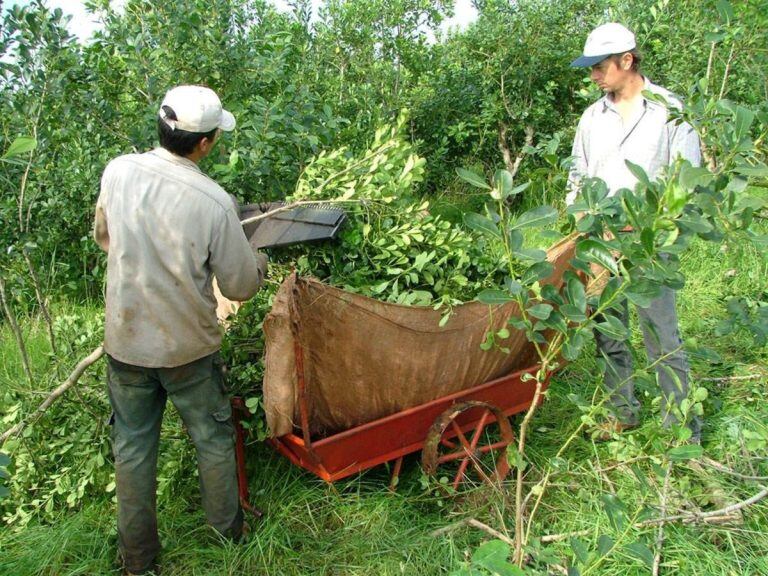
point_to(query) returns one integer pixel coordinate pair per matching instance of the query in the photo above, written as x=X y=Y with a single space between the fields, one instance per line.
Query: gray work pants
x=662 y=339
x=138 y=397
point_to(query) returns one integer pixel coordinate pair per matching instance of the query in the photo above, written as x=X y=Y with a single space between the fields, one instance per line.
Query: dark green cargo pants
x=138 y=397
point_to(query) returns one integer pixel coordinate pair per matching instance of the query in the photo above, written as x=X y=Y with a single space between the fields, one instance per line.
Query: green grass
x=358 y=527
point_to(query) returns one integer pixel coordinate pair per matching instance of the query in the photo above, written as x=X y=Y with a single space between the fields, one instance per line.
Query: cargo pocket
x=223 y=418
x=220 y=373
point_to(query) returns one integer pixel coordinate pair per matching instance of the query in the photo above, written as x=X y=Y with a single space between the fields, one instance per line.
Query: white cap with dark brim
x=604 y=41
x=197 y=109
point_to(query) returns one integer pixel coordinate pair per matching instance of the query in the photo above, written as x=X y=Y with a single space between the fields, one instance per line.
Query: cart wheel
x=447 y=442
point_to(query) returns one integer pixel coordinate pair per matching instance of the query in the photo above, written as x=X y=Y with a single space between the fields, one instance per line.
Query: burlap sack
x=364 y=359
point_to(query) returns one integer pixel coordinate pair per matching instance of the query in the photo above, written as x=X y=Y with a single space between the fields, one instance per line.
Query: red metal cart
x=447 y=422
x=448 y=429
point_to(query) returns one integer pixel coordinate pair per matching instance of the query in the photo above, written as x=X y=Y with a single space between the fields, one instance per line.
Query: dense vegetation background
x=497 y=95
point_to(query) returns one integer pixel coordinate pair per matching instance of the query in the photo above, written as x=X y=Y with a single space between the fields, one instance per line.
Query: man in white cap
x=623 y=126
x=168 y=229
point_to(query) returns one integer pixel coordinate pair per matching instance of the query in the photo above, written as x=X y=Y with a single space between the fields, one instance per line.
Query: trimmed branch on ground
x=61 y=389
x=718 y=466
x=714 y=517
x=16 y=331
x=475 y=524
x=720 y=516
x=491 y=532
x=733 y=378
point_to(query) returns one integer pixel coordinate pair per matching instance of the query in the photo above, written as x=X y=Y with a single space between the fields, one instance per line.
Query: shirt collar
x=647 y=85
x=161 y=152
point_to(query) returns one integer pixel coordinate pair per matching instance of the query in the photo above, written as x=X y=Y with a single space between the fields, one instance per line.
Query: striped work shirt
x=604 y=141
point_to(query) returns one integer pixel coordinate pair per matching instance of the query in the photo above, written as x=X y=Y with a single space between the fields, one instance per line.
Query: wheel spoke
x=482 y=473
x=494 y=446
x=502 y=467
x=452 y=456
x=460 y=435
x=447 y=443
x=460 y=474
x=479 y=429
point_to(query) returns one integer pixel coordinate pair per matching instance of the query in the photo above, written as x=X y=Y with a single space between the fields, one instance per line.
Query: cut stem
x=61 y=389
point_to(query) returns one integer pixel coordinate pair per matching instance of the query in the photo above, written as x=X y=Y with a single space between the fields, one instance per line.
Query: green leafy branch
x=635 y=235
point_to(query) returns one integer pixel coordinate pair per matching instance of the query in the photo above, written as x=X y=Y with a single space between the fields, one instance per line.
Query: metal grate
x=308 y=223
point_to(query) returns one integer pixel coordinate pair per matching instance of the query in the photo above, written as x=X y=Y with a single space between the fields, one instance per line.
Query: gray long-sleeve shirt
x=604 y=141
x=170 y=230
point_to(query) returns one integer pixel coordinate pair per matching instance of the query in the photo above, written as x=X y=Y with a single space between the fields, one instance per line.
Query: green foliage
x=392 y=248
x=298 y=88
x=490 y=558
x=65 y=458
x=19 y=146
x=638 y=236
x=108 y=92
x=506 y=74
x=368 y=55
x=242 y=352
x=748 y=315
x=308 y=98
x=724 y=44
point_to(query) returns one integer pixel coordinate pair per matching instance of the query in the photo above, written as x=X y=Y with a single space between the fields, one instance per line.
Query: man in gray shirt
x=168 y=229
x=625 y=125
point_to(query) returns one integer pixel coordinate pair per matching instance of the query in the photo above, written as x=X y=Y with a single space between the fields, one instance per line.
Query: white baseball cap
x=604 y=41
x=197 y=109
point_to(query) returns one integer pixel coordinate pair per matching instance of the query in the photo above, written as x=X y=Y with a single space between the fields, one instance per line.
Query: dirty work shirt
x=603 y=142
x=171 y=228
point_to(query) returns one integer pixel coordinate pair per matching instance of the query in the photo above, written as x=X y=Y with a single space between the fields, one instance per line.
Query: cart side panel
x=386 y=439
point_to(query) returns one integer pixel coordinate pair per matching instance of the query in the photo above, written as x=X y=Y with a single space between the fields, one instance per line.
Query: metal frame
x=390 y=438
x=387 y=439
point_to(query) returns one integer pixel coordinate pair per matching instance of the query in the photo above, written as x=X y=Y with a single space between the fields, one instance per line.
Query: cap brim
x=227 y=121
x=587 y=61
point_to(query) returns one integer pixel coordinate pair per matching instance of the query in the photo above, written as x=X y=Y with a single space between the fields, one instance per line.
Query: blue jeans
x=662 y=339
x=138 y=396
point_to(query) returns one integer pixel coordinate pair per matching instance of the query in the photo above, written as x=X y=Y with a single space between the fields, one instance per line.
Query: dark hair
x=180 y=142
x=636 y=59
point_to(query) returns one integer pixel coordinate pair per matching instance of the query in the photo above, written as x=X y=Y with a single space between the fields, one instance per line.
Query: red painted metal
x=468 y=449
x=351 y=451
x=460 y=455
x=464 y=450
x=396 y=474
x=238 y=411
